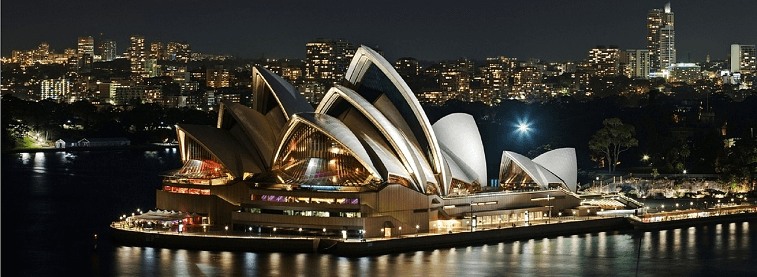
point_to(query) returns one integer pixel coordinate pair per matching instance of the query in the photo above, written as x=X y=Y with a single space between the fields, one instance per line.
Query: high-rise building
x=136 y=55
x=107 y=50
x=743 y=59
x=661 y=39
x=456 y=78
x=604 y=61
x=496 y=75
x=85 y=46
x=667 y=47
x=327 y=60
x=635 y=63
x=58 y=90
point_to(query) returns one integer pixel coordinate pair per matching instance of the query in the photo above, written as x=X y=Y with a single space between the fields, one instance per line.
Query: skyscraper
x=667 y=47
x=743 y=59
x=136 y=55
x=604 y=61
x=496 y=75
x=107 y=50
x=635 y=63
x=327 y=59
x=661 y=39
x=86 y=46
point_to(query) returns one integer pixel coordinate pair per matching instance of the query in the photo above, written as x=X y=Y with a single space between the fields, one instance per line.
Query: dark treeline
x=141 y=123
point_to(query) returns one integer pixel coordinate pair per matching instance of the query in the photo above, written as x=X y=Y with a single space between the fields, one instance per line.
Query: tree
x=614 y=138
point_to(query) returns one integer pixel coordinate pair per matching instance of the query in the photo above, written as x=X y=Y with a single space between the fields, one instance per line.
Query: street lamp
x=417 y=227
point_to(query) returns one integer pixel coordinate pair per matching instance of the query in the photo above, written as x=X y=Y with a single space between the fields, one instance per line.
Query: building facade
x=661 y=39
x=636 y=63
x=366 y=161
x=743 y=59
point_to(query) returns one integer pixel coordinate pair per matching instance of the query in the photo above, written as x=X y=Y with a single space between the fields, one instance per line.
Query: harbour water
x=53 y=203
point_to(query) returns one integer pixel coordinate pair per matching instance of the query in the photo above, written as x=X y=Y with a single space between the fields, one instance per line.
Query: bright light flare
x=523 y=127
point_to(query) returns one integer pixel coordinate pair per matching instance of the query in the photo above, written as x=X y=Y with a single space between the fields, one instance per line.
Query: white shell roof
x=413 y=161
x=541 y=175
x=561 y=162
x=459 y=134
x=289 y=99
x=363 y=59
x=258 y=130
x=223 y=146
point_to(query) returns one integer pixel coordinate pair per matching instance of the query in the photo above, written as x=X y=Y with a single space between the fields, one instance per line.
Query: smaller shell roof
x=561 y=162
x=538 y=173
x=290 y=100
x=224 y=147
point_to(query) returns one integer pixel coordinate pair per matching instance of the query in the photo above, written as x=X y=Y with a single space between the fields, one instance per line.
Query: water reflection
x=688 y=251
x=25 y=158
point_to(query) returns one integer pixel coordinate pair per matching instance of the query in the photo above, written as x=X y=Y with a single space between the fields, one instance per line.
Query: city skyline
x=523 y=30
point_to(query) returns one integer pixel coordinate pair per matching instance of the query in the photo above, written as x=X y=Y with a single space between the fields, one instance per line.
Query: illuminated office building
x=636 y=63
x=604 y=61
x=137 y=56
x=58 y=90
x=743 y=59
x=85 y=46
x=107 y=50
x=661 y=39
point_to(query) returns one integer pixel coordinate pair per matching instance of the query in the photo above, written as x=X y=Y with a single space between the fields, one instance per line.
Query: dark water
x=53 y=204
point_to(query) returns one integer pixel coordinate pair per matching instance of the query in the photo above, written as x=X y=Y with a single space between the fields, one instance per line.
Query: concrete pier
x=356 y=248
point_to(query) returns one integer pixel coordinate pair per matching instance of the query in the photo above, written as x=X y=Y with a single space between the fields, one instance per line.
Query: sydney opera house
x=366 y=161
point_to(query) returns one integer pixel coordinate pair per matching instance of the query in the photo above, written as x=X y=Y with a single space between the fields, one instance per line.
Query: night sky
x=554 y=30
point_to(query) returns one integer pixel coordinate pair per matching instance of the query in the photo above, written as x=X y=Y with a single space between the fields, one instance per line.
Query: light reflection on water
x=688 y=251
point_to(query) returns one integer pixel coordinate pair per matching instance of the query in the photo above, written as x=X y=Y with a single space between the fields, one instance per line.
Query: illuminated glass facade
x=513 y=178
x=310 y=157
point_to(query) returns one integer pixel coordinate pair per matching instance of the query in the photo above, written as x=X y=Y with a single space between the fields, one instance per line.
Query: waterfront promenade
x=214 y=239
x=219 y=239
